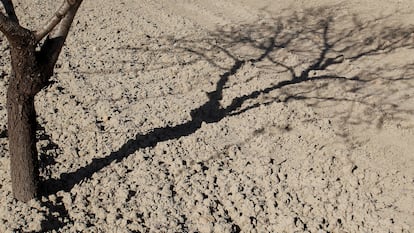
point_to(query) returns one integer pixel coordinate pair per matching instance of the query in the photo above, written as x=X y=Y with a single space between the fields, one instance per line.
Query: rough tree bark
x=31 y=71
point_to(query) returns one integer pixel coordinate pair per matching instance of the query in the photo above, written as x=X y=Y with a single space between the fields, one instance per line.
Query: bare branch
x=8 y=6
x=5 y=24
x=17 y=35
x=56 y=39
x=63 y=10
x=63 y=29
x=12 y=29
x=3 y=20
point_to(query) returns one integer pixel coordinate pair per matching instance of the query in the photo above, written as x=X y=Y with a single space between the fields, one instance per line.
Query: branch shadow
x=316 y=38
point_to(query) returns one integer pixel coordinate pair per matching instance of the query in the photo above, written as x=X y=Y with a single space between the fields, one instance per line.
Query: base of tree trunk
x=22 y=143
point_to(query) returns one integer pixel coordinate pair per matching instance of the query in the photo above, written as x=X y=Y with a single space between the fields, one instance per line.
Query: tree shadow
x=56 y=215
x=305 y=48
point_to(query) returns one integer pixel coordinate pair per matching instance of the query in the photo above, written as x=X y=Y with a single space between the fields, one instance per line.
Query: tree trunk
x=22 y=143
x=32 y=66
x=29 y=76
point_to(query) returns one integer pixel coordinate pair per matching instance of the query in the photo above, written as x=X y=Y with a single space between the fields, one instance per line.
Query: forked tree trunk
x=29 y=77
x=31 y=71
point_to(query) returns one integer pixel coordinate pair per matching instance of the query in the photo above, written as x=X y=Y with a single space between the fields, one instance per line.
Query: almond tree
x=33 y=56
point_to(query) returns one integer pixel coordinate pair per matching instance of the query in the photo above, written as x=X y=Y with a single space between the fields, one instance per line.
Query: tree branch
x=57 y=36
x=63 y=29
x=60 y=14
x=4 y=23
x=12 y=29
x=8 y=6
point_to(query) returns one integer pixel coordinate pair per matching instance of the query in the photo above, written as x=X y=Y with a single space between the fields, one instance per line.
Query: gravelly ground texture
x=223 y=116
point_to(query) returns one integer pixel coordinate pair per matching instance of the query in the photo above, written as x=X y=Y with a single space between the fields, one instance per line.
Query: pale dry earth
x=223 y=116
